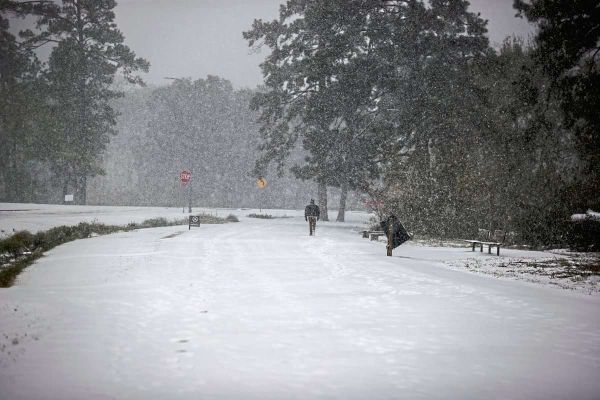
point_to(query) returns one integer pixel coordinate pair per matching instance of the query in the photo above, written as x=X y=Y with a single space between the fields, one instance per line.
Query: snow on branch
x=588 y=216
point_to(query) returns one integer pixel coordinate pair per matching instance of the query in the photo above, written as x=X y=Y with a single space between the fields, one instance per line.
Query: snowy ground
x=562 y=270
x=260 y=310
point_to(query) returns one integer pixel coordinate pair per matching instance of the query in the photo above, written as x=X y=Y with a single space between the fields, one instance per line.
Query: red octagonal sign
x=185 y=176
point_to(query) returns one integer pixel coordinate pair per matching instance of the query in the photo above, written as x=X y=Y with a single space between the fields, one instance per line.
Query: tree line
x=407 y=102
x=204 y=126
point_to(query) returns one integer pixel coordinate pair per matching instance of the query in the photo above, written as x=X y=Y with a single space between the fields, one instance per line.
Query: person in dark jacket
x=395 y=232
x=312 y=215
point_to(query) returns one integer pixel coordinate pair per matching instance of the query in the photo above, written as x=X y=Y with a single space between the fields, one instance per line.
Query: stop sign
x=185 y=176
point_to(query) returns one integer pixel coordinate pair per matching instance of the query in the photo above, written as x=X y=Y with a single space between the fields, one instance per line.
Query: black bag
x=399 y=233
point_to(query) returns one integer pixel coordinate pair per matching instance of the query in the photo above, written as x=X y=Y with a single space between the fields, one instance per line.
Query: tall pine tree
x=22 y=107
x=432 y=107
x=88 y=53
x=318 y=88
x=568 y=51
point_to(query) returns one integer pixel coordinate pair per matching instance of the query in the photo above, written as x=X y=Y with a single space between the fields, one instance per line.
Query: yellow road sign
x=261 y=183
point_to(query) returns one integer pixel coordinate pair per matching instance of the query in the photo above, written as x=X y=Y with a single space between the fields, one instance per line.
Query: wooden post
x=389 y=240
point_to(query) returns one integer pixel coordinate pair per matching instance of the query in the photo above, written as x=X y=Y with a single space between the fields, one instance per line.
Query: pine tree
x=525 y=154
x=318 y=89
x=432 y=110
x=88 y=53
x=568 y=51
x=22 y=109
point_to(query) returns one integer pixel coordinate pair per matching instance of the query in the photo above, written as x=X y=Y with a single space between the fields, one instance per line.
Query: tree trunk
x=80 y=190
x=83 y=131
x=322 y=193
x=65 y=189
x=83 y=189
x=13 y=190
x=342 y=210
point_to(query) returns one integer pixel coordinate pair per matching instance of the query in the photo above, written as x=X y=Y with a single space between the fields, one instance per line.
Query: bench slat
x=375 y=236
x=367 y=234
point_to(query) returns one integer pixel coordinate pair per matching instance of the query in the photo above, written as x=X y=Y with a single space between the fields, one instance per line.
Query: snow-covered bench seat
x=490 y=240
x=373 y=235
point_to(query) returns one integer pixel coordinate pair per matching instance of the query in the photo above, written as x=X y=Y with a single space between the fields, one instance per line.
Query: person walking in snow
x=395 y=233
x=312 y=215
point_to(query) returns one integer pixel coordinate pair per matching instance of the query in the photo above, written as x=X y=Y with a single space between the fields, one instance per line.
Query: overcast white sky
x=193 y=38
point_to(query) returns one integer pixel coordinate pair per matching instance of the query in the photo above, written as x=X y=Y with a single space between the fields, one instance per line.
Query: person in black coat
x=395 y=232
x=312 y=215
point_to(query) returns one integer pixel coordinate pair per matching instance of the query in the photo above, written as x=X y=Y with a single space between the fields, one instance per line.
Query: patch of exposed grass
x=156 y=222
x=16 y=244
x=576 y=271
x=568 y=268
x=210 y=219
x=267 y=216
x=232 y=218
x=261 y=216
x=9 y=274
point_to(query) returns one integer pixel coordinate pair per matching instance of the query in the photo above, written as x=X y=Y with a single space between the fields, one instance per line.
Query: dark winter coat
x=312 y=210
x=399 y=234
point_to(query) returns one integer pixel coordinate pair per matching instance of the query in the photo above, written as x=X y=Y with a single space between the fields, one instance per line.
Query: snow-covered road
x=260 y=310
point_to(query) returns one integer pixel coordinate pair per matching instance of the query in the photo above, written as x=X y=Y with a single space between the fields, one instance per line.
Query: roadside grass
x=21 y=249
x=211 y=219
x=14 y=244
x=232 y=218
x=9 y=274
x=574 y=268
x=261 y=216
x=572 y=271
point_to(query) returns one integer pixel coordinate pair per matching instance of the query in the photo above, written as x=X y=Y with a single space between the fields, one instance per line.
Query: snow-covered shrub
x=261 y=216
x=585 y=232
x=232 y=218
x=155 y=222
x=16 y=244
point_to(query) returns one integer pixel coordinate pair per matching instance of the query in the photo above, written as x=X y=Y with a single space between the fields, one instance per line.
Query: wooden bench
x=372 y=235
x=482 y=236
x=486 y=238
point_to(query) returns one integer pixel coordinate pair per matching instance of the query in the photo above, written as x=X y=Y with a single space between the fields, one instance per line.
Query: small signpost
x=69 y=198
x=194 y=220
